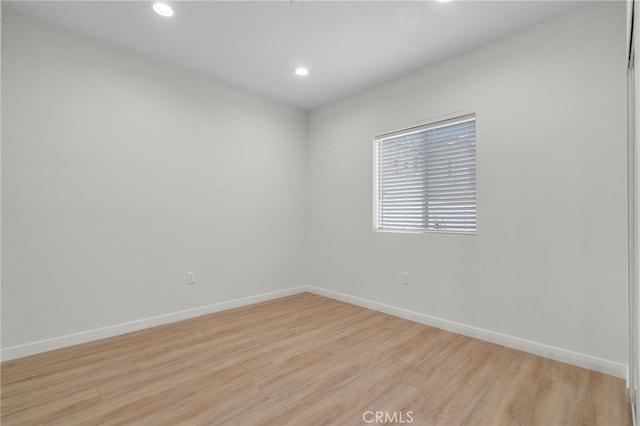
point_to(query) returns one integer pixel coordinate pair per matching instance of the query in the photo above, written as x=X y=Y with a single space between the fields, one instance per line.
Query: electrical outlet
x=191 y=277
x=405 y=278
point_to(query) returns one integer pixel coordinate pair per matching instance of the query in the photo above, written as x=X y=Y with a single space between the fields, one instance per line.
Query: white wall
x=0 y=174
x=633 y=117
x=548 y=263
x=120 y=174
x=634 y=198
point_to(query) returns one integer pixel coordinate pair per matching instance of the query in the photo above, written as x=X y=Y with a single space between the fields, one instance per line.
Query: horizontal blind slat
x=426 y=178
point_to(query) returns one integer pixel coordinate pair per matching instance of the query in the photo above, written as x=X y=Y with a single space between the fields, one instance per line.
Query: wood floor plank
x=342 y=402
x=508 y=399
x=301 y=360
x=44 y=411
x=20 y=395
x=338 y=371
x=606 y=401
x=556 y=403
x=296 y=391
x=325 y=358
x=353 y=333
x=454 y=400
x=204 y=410
x=443 y=361
x=392 y=407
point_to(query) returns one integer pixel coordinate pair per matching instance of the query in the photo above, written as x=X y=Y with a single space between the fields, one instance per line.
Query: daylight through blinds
x=426 y=178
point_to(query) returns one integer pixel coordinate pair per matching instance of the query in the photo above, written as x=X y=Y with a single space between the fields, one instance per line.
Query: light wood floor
x=303 y=360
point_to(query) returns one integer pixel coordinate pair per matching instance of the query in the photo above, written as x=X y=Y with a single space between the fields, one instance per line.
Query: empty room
x=319 y=213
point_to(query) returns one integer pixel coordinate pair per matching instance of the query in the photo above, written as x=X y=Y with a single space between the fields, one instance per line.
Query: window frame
x=414 y=128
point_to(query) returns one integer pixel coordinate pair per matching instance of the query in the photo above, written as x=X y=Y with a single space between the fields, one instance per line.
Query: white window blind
x=426 y=177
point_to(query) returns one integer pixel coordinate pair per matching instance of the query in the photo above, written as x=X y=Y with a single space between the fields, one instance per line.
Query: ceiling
x=348 y=46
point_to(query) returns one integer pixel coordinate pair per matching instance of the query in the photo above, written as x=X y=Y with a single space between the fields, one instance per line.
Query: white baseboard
x=33 y=348
x=558 y=354
x=581 y=360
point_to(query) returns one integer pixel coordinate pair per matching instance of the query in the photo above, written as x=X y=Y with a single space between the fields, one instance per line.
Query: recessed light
x=301 y=71
x=444 y=1
x=162 y=9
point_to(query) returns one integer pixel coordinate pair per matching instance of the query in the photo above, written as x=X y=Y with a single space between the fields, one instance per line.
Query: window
x=426 y=178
